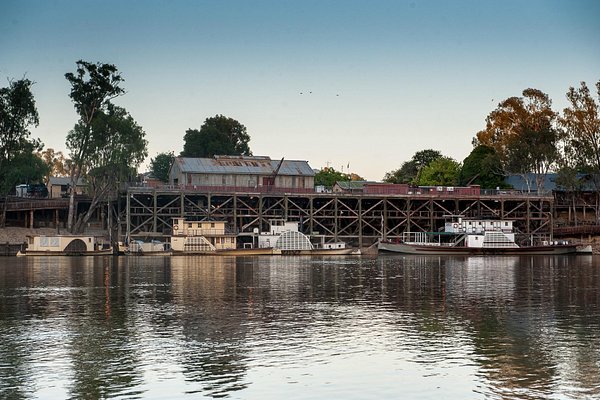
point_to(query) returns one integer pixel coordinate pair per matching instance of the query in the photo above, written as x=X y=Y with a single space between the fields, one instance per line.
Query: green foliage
x=106 y=143
x=522 y=131
x=17 y=113
x=24 y=167
x=482 y=167
x=92 y=88
x=119 y=146
x=409 y=170
x=581 y=123
x=328 y=177
x=443 y=171
x=218 y=135
x=405 y=174
x=567 y=179
x=161 y=164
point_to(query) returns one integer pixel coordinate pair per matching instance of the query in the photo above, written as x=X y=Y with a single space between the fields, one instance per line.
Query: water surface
x=418 y=327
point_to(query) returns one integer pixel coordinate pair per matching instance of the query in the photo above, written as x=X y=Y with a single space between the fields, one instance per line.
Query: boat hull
x=104 y=252
x=406 y=248
x=228 y=252
x=321 y=252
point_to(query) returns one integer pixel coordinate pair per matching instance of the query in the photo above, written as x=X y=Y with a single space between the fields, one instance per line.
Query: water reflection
x=254 y=327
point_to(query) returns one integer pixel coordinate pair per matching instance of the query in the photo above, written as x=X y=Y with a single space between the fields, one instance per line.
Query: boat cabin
x=284 y=235
x=63 y=244
x=456 y=224
x=201 y=236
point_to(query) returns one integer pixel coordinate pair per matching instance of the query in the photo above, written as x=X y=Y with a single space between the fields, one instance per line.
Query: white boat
x=201 y=237
x=65 y=245
x=286 y=239
x=472 y=237
x=141 y=248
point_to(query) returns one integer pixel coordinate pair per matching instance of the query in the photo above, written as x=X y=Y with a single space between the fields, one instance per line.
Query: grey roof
x=242 y=165
x=517 y=182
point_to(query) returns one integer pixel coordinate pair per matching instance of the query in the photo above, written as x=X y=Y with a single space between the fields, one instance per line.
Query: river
x=415 y=327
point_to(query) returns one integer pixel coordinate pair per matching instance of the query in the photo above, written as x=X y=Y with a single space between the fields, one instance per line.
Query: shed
x=241 y=172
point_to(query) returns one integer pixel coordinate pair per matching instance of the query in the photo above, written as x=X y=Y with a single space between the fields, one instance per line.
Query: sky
x=359 y=86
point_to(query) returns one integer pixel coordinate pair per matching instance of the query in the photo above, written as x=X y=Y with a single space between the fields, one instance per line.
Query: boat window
x=212 y=225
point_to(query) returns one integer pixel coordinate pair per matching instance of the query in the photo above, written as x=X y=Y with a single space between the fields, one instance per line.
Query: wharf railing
x=421 y=191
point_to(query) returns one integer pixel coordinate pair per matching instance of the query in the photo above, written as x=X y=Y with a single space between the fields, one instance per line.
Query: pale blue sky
x=388 y=78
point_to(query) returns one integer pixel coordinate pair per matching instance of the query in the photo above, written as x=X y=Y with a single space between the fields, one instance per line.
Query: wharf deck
x=356 y=218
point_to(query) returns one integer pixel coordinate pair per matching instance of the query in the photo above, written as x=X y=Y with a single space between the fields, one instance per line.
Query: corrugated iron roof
x=243 y=165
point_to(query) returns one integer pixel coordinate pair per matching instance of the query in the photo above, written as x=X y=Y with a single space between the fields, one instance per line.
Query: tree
x=218 y=135
x=118 y=146
x=409 y=170
x=56 y=162
x=92 y=88
x=482 y=167
x=443 y=171
x=161 y=164
x=522 y=131
x=581 y=121
x=328 y=176
x=26 y=167
x=17 y=114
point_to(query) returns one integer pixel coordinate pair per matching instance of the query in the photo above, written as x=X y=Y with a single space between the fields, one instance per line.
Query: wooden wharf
x=356 y=218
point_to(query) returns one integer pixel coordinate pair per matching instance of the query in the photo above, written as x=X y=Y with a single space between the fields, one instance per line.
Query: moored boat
x=201 y=237
x=473 y=237
x=286 y=239
x=65 y=245
x=141 y=248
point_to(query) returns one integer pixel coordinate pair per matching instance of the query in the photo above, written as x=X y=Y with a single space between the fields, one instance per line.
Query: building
x=58 y=186
x=228 y=173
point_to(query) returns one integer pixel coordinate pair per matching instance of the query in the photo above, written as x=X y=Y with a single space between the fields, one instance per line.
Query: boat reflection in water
x=257 y=327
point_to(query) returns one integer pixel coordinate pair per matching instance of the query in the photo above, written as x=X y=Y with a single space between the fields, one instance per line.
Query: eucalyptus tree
x=523 y=132
x=581 y=123
x=118 y=146
x=93 y=86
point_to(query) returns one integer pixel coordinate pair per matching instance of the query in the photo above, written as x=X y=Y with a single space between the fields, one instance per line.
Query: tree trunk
x=3 y=215
x=83 y=220
x=72 y=210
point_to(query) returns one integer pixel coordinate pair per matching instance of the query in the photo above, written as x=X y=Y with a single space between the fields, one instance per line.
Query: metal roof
x=243 y=165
